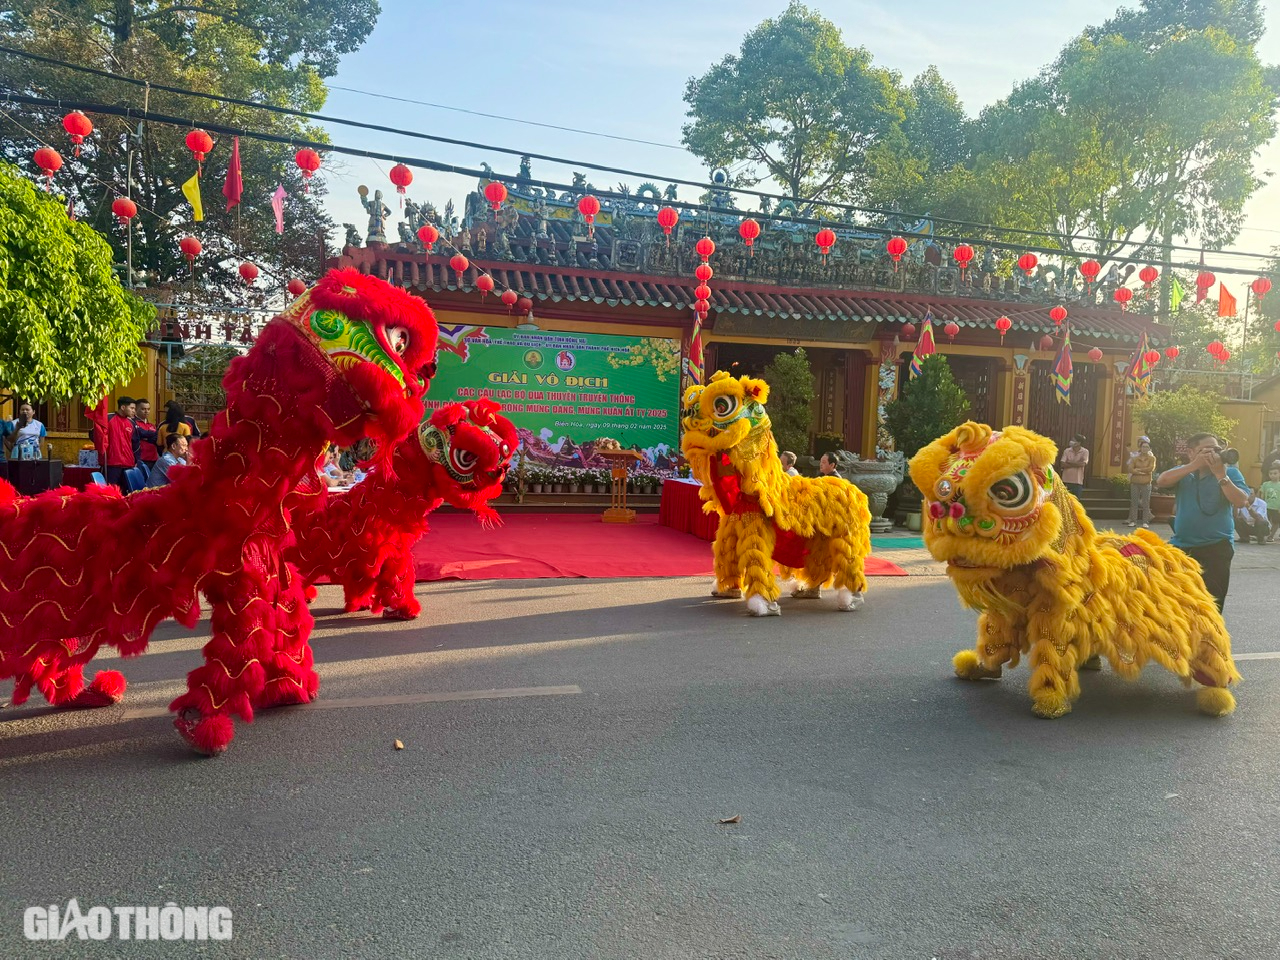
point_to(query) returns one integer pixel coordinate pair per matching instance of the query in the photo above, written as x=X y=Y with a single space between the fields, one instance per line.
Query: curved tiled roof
x=552 y=284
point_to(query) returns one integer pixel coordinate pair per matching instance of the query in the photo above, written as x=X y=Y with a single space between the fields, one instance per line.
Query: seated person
x=175 y=453
x=331 y=473
x=1251 y=520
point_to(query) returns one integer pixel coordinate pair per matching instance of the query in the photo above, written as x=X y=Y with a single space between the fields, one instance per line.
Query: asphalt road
x=887 y=810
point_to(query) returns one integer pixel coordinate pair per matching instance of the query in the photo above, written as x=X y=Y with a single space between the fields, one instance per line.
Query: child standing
x=1270 y=492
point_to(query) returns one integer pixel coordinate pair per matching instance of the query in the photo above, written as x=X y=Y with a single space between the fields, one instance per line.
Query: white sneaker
x=1130 y=523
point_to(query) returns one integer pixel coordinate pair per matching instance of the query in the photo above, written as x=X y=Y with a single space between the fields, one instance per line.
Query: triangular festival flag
x=1176 y=294
x=1138 y=372
x=1226 y=302
x=1062 y=373
x=925 y=346
x=191 y=190
x=277 y=204
x=234 y=185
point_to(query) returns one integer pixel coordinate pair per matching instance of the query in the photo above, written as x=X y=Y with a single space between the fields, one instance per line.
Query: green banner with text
x=564 y=391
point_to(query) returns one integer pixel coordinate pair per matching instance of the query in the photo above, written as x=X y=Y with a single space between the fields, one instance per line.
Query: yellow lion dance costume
x=1019 y=548
x=816 y=530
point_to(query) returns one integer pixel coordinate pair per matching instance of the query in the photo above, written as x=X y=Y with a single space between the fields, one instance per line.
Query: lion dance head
x=727 y=415
x=992 y=503
x=465 y=449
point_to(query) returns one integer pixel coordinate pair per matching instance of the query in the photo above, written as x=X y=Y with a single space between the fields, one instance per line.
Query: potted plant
x=1168 y=418
x=537 y=477
x=558 y=480
x=926 y=407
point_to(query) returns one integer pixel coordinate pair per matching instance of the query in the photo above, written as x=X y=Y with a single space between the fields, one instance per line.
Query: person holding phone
x=1208 y=490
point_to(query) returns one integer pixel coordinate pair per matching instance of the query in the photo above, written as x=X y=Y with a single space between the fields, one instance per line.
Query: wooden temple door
x=1062 y=421
x=976 y=378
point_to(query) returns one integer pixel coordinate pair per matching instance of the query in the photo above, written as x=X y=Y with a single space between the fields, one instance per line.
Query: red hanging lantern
x=896 y=247
x=1148 y=275
x=963 y=255
x=1095 y=355
x=523 y=306
x=749 y=230
x=825 y=239
x=1215 y=348
x=199 y=143
x=401 y=176
x=1260 y=287
x=1027 y=263
x=667 y=220
x=703 y=272
x=49 y=161
x=78 y=126
x=496 y=194
x=951 y=329
x=1046 y=343
x=909 y=330
x=308 y=162
x=296 y=287
x=124 y=209
x=190 y=248
x=589 y=206
x=428 y=235
x=702 y=308
x=1205 y=279
x=459 y=265
x=1171 y=353
x=249 y=272
x=1003 y=325
x=1225 y=355
x=1058 y=314
x=484 y=283
x=508 y=299
x=702 y=292
x=1278 y=326
x=1152 y=357
x=1122 y=296
x=705 y=247
x=1090 y=270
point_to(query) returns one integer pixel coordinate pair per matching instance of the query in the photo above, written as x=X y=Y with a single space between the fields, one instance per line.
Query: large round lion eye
x=398 y=337
x=725 y=406
x=464 y=461
x=1012 y=492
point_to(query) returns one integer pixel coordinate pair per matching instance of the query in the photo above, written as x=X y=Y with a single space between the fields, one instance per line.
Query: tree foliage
x=797 y=103
x=926 y=407
x=270 y=51
x=1144 y=129
x=791 y=392
x=66 y=325
x=1170 y=416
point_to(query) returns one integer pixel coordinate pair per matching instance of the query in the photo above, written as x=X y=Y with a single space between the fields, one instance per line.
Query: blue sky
x=621 y=69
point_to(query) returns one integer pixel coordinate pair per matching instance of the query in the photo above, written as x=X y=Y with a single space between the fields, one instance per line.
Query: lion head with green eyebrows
x=992 y=501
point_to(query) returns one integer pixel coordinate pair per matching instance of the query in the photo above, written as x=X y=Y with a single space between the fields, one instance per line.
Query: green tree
x=926 y=407
x=67 y=327
x=798 y=104
x=1171 y=416
x=269 y=51
x=790 y=379
x=1143 y=129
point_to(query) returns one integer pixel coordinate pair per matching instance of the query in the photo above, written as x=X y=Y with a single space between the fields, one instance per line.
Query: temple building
x=855 y=311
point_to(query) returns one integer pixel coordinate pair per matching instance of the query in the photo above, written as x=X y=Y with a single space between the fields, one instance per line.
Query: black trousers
x=1215 y=565
x=116 y=477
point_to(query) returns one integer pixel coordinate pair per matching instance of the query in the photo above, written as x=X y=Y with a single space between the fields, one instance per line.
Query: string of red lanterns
x=1122 y=296
x=668 y=217
x=1090 y=270
x=428 y=235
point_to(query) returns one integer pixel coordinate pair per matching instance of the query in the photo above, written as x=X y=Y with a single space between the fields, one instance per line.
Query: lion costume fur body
x=1020 y=548
x=816 y=529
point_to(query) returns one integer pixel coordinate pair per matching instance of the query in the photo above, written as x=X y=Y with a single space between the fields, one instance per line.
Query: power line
x=498 y=116
x=12 y=51
x=441 y=167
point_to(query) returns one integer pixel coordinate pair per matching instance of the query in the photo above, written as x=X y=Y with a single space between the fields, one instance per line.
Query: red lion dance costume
x=349 y=359
x=363 y=539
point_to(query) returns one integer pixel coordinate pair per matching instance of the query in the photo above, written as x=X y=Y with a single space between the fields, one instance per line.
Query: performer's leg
x=394 y=591
x=755 y=546
x=725 y=555
x=290 y=675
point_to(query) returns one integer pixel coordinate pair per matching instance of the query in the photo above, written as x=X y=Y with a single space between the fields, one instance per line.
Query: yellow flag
x=191 y=190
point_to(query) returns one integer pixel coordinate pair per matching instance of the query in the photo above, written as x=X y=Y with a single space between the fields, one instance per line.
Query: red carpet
x=541 y=545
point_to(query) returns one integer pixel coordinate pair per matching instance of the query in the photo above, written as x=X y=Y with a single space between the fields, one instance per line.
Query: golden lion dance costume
x=816 y=530
x=1019 y=548
x=350 y=358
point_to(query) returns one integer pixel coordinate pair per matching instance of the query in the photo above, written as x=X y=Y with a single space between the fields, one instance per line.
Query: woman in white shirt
x=27 y=432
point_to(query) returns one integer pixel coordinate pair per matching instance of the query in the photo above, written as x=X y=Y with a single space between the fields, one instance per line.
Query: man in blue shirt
x=1207 y=491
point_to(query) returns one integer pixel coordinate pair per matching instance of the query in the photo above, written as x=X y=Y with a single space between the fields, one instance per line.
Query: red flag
x=98 y=417
x=1226 y=302
x=234 y=186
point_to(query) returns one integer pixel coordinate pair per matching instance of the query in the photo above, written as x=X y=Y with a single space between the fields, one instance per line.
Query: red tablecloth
x=78 y=477
x=681 y=509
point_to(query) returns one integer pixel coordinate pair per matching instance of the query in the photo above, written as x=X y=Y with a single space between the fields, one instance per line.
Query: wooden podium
x=618 y=511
